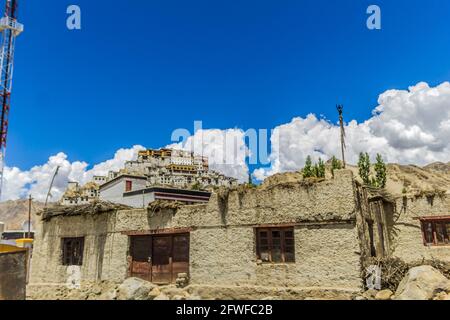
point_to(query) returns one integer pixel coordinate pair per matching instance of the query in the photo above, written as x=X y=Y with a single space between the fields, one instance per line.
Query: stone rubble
x=420 y=283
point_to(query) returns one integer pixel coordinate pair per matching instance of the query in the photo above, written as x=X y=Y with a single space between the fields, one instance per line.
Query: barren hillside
x=402 y=179
x=14 y=213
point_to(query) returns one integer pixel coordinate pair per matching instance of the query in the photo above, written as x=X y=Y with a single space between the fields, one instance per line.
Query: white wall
x=114 y=192
x=139 y=200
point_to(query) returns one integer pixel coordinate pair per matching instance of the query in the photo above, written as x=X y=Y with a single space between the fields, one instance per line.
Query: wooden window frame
x=270 y=246
x=128 y=185
x=68 y=256
x=435 y=221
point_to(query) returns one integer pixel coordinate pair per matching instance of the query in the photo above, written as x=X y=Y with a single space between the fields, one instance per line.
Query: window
x=72 y=251
x=275 y=245
x=436 y=232
x=128 y=185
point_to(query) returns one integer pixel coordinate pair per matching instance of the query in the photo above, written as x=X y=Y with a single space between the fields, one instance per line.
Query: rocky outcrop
x=422 y=283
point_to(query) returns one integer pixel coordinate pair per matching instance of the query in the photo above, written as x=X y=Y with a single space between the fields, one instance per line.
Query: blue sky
x=139 y=69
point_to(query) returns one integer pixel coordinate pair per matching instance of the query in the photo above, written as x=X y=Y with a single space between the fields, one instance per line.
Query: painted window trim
x=270 y=229
x=434 y=220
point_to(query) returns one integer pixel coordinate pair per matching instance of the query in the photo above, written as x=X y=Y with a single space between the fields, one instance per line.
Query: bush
x=393 y=270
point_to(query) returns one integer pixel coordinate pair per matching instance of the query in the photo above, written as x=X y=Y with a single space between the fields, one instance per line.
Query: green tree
x=315 y=170
x=320 y=169
x=373 y=182
x=308 y=170
x=335 y=165
x=380 y=172
x=364 y=168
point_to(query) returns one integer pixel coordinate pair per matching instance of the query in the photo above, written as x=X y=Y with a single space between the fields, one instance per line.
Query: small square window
x=436 y=232
x=72 y=254
x=275 y=245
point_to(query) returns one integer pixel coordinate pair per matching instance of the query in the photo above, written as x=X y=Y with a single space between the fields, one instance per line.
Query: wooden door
x=140 y=252
x=180 y=255
x=162 y=259
x=159 y=259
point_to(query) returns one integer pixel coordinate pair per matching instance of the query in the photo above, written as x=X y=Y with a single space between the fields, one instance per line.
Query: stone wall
x=222 y=240
x=13 y=275
x=406 y=234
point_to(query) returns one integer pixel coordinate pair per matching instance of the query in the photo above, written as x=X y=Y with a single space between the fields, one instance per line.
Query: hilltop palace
x=156 y=174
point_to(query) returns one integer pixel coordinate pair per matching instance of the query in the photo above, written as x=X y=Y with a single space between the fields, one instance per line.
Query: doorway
x=159 y=258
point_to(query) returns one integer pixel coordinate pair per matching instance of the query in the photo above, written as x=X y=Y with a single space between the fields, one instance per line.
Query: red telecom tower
x=10 y=29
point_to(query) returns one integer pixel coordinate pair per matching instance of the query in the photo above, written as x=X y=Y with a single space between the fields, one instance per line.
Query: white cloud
x=225 y=149
x=408 y=126
x=36 y=181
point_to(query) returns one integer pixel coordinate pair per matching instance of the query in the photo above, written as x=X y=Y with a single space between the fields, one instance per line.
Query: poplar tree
x=320 y=169
x=364 y=168
x=308 y=170
x=380 y=172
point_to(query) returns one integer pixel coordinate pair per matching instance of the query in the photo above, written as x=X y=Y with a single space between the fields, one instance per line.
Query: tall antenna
x=10 y=29
x=340 y=109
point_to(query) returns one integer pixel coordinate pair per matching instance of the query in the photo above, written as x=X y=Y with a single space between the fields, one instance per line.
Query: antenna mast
x=10 y=29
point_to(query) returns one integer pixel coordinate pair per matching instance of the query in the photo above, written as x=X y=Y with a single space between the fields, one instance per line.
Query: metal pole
x=29 y=217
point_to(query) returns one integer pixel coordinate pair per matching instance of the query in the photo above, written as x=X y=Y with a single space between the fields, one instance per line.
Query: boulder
x=370 y=294
x=421 y=283
x=134 y=289
x=384 y=295
x=442 y=296
x=154 y=293
x=162 y=296
x=108 y=295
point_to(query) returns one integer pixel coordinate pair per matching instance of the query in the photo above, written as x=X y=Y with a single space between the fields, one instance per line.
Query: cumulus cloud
x=226 y=150
x=36 y=181
x=408 y=126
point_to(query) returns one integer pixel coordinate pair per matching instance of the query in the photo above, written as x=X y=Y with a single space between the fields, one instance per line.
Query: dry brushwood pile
x=393 y=270
x=159 y=205
x=94 y=208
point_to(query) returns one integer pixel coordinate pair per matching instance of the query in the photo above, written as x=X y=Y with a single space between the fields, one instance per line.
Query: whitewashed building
x=114 y=189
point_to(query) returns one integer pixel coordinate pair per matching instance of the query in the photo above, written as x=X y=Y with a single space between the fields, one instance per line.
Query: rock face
x=134 y=289
x=422 y=283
